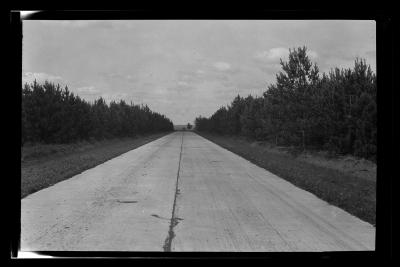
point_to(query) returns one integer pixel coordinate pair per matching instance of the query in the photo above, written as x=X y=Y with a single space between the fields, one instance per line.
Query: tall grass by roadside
x=353 y=194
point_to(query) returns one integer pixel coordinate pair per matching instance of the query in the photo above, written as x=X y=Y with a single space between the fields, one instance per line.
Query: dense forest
x=335 y=112
x=51 y=114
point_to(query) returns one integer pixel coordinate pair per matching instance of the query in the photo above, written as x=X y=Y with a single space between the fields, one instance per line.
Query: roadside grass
x=352 y=193
x=43 y=165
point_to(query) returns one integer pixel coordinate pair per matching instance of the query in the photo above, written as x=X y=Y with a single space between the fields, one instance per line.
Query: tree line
x=51 y=114
x=335 y=111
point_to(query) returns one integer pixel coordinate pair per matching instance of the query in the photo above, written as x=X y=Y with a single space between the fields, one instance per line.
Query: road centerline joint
x=174 y=220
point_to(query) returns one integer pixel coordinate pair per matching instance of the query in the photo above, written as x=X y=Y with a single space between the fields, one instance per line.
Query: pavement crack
x=126 y=201
x=159 y=217
x=174 y=220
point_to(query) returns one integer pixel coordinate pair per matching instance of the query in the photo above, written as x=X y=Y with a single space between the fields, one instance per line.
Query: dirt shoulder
x=345 y=182
x=44 y=165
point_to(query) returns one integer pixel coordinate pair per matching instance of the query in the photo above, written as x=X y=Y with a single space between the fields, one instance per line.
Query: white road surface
x=185 y=193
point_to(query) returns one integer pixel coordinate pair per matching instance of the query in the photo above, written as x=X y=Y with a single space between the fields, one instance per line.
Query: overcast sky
x=183 y=68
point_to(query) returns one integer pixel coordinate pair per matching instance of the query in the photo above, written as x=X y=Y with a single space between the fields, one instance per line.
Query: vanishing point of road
x=185 y=193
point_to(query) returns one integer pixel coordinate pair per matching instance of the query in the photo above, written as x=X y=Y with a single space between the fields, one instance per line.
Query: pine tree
x=336 y=112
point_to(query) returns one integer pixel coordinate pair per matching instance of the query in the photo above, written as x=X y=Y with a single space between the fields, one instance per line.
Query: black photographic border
x=387 y=122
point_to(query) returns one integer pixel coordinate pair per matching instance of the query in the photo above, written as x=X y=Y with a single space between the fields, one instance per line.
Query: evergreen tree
x=50 y=114
x=335 y=111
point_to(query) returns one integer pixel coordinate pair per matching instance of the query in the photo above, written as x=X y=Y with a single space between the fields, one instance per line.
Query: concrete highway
x=185 y=193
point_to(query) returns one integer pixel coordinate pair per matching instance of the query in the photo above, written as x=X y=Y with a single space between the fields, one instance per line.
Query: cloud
x=274 y=54
x=181 y=88
x=208 y=74
x=183 y=83
x=114 y=96
x=118 y=77
x=222 y=66
x=87 y=90
x=190 y=77
x=268 y=61
x=268 y=67
x=246 y=84
x=41 y=77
